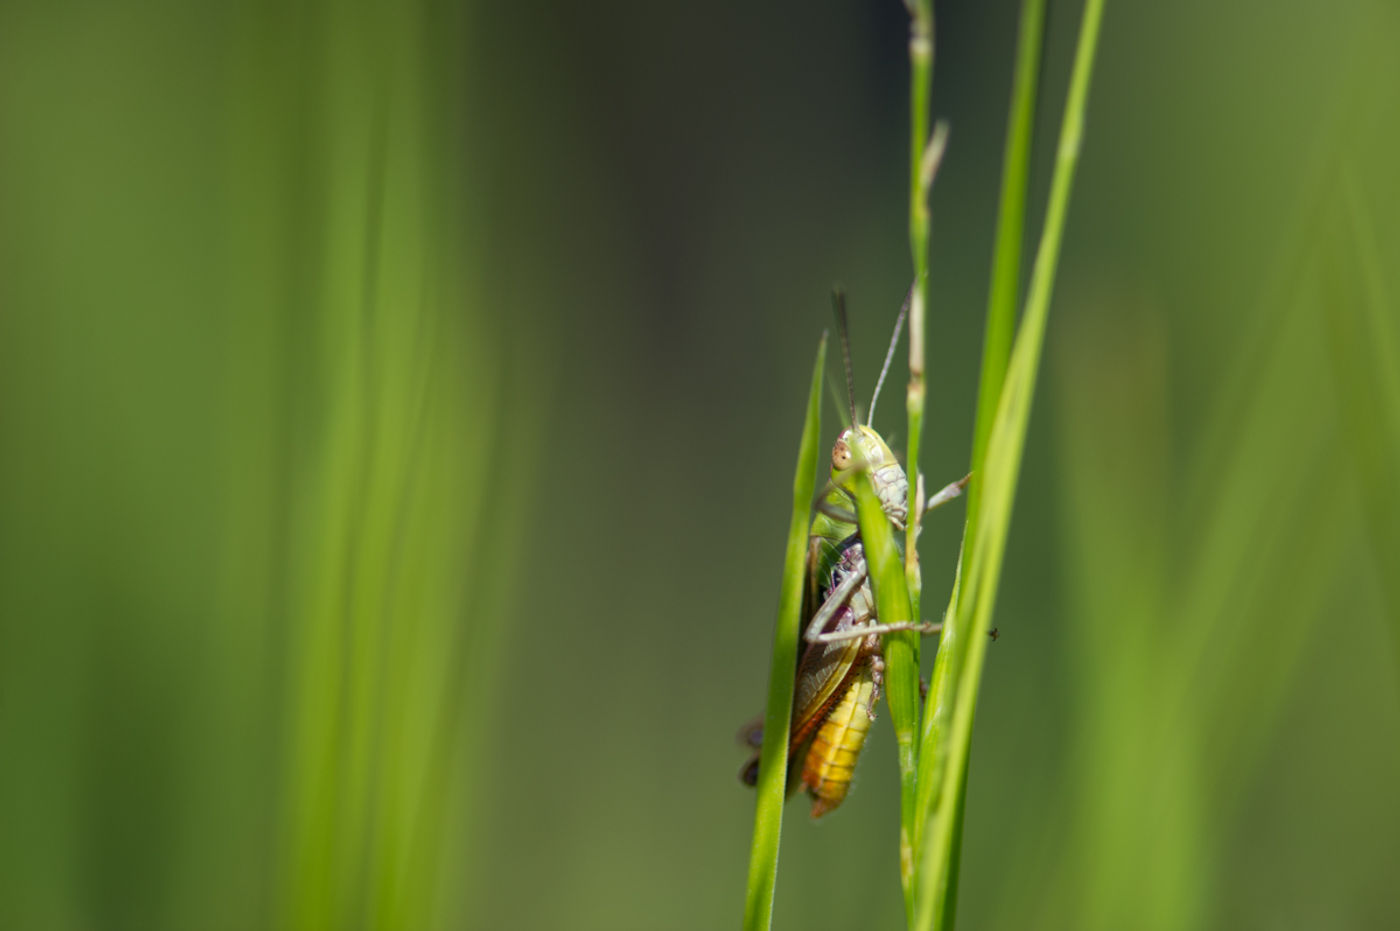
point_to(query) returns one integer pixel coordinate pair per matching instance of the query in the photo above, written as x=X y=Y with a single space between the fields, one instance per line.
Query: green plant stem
x=1002 y=301
x=903 y=652
x=772 y=767
x=975 y=596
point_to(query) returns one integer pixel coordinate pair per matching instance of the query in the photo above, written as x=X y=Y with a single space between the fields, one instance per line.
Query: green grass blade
x=892 y=604
x=954 y=697
x=1002 y=301
x=1370 y=385
x=1004 y=294
x=772 y=771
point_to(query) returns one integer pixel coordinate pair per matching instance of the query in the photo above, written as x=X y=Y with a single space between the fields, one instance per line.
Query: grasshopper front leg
x=835 y=636
x=839 y=597
x=836 y=599
x=947 y=492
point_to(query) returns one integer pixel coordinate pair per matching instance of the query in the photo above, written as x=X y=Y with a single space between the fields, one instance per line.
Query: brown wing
x=824 y=673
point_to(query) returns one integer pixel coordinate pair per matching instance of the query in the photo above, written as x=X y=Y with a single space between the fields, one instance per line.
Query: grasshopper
x=840 y=669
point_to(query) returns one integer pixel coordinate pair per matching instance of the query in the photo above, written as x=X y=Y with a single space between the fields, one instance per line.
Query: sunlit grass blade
x=1362 y=330
x=1003 y=299
x=946 y=743
x=901 y=649
x=1156 y=592
x=772 y=770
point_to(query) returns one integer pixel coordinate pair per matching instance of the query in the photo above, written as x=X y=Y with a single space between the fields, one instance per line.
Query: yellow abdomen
x=832 y=758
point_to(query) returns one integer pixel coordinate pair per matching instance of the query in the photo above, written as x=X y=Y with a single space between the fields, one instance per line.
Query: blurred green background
x=398 y=405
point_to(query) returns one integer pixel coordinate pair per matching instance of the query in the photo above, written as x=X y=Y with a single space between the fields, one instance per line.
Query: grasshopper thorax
x=860 y=446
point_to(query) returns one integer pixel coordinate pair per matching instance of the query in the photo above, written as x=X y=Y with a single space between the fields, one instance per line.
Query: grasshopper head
x=862 y=446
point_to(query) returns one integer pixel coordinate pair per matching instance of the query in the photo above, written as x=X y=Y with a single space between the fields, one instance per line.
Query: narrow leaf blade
x=772 y=772
x=954 y=700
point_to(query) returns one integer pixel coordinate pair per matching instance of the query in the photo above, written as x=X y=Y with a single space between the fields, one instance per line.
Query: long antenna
x=889 y=355
x=838 y=304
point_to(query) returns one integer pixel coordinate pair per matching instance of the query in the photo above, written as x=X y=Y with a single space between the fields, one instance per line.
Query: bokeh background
x=398 y=404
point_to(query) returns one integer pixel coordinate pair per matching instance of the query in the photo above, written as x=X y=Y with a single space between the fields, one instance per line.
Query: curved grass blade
x=954 y=699
x=901 y=649
x=1002 y=302
x=772 y=770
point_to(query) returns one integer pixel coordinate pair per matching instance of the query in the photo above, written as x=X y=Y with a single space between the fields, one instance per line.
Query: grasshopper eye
x=841 y=456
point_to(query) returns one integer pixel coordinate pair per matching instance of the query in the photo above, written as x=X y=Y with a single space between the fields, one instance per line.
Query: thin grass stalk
x=1006 y=440
x=1003 y=299
x=902 y=650
x=772 y=767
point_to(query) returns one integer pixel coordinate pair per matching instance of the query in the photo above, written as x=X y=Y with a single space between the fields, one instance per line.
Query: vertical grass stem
x=772 y=770
x=963 y=653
